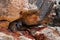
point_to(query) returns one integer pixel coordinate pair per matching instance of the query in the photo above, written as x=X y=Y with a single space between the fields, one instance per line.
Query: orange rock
x=10 y=9
x=4 y=24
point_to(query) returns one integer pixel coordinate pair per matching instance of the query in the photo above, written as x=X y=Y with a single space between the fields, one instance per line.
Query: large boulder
x=10 y=9
x=22 y=35
x=45 y=33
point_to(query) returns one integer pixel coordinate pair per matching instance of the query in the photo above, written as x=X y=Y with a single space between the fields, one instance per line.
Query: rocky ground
x=11 y=11
x=50 y=33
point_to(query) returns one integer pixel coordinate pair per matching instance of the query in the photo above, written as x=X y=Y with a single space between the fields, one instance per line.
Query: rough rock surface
x=5 y=37
x=22 y=35
x=4 y=24
x=46 y=33
x=10 y=9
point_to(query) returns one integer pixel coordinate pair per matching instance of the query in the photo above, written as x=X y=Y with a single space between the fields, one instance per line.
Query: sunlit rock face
x=24 y=35
x=45 y=33
x=5 y=37
x=10 y=9
x=4 y=24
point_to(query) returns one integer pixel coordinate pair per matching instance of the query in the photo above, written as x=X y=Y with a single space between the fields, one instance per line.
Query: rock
x=5 y=37
x=24 y=35
x=10 y=9
x=43 y=33
x=4 y=24
x=46 y=33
